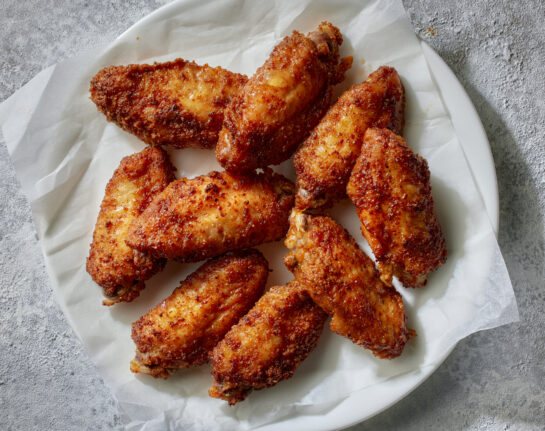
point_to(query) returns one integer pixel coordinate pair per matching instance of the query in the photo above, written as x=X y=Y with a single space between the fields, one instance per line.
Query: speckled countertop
x=493 y=380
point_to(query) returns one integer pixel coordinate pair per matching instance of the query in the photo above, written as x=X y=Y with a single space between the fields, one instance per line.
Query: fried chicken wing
x=325 y=160
x=120 y=270
x=268 y=344
x=342 y=280
x=194 y=219
x=183 y=329
x=282 y=102
x=390 y=186
x=178 y=103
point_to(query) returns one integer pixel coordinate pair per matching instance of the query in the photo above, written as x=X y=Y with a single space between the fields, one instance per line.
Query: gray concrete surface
x=493 y=380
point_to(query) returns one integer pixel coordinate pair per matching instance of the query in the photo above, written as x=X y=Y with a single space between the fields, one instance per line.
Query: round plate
x=366 y=403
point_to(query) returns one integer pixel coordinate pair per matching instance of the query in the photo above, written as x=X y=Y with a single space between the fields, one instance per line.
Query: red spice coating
x=120 y=270
x=182 y=330
x=283 y=101
x=390 y=186
x=177 y=103
x=268 y=344
x=325 y=160
x=342 y=280
x=203 y=217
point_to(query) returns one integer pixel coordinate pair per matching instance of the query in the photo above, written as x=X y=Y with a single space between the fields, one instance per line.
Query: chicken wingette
x=268 y=344
x=342 y=280
x=325 y=160
x=120 y=270
x=182 y=330
x=178 y=103
x=390 y=186
x=283 y=101
x=195 y=219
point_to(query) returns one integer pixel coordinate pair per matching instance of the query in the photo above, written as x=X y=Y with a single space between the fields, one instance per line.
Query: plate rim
x=450 y=89
x=463 y=119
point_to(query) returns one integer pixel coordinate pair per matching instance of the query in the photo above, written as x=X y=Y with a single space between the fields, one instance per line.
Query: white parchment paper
x=64 y=152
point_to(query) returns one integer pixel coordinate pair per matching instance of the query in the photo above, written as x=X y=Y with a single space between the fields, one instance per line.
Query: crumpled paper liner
x=64 y=152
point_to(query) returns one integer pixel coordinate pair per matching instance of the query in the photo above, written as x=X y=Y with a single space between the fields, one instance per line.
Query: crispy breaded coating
x=184 y=328
x=325 y=160
x=343 y=281
x=283 y=101
x=268 y=344
x=390 y=186
x=120 y=270
x=177 y=103
x=194 y=219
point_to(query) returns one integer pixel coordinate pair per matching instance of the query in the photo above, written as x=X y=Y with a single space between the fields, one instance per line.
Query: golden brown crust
x=268 y=344
x=177 y=103
x=390 y=186
x=282 y=101
x=194 y=219
x=120 y=270
x=324 y=162
x=343 y=281
x=182 y=330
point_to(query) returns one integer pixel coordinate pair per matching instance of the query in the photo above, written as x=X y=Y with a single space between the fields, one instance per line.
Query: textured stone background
x=492 y=381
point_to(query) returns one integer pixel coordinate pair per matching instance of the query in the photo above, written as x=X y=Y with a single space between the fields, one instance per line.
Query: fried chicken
x=195 y=219
x=268 y=344
x=178 y=103
x=182 y=330
x=342 y=280
x=390 y=186
x=120 y=270
x=283 y=101
x=325 y=160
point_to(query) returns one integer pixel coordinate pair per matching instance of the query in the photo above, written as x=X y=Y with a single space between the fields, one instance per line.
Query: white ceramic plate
x=368 y=402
